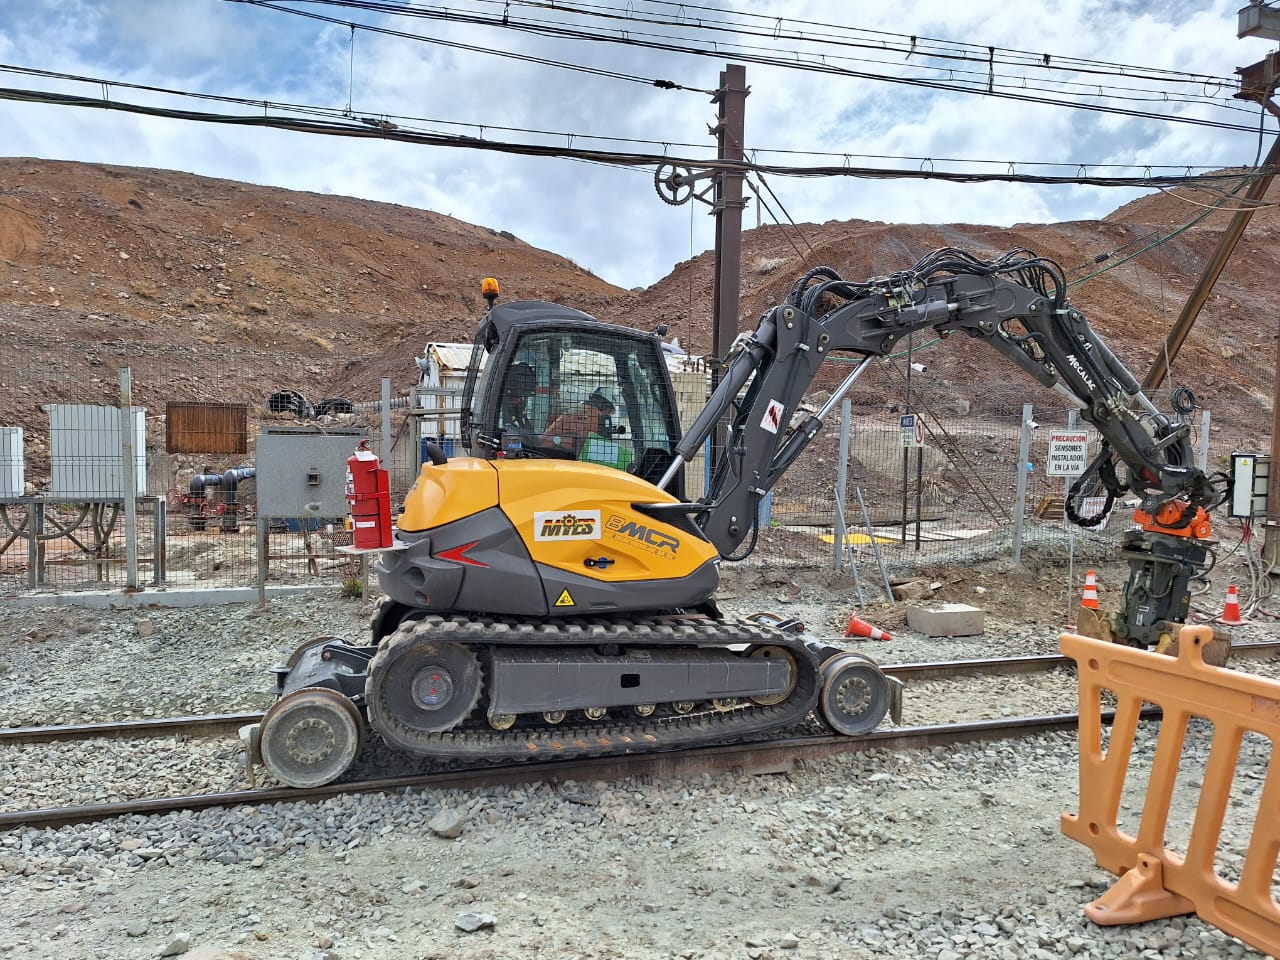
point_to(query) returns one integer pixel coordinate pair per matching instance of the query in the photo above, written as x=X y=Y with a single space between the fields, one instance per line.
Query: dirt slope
x=215 y=290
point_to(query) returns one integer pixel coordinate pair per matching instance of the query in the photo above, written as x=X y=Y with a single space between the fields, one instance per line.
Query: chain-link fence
x=912 y=476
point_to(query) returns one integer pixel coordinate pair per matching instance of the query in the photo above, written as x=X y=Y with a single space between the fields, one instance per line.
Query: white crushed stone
x=945 y=853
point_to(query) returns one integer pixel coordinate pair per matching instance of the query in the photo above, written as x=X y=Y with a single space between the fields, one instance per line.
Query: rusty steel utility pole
x=730 y=131
x=1260 y=81
x=1257 y=83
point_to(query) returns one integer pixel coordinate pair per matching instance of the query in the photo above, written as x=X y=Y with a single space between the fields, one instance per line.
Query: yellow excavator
x=553 y=592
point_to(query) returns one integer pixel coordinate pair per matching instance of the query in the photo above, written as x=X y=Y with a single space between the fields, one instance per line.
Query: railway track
x=227 y=724
x=772 y=756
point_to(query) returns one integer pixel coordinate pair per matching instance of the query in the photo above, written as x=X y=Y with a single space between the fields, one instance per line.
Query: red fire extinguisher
x=368 y=499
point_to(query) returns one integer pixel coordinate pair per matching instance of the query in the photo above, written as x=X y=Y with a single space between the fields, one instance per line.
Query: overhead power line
x=1016 y=88
x=381 y=120
x=745 y=23
x=689 y=14
x=370 y=128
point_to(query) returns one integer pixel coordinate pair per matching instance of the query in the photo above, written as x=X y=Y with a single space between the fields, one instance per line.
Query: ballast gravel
x=943 y=853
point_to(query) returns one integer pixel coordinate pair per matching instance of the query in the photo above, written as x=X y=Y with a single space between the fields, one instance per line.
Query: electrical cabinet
x=12 y=480
x=303 y=474
x=1249 y=475
x=85 y=451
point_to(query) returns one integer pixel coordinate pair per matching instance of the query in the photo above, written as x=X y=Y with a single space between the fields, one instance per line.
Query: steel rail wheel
x=855 y=694
x=310 y=737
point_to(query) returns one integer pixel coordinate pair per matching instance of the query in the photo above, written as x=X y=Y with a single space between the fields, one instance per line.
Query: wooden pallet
x=1050 y=507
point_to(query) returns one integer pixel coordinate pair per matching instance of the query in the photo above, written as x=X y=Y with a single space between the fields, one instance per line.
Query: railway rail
x=770 y=756
x=227 y=724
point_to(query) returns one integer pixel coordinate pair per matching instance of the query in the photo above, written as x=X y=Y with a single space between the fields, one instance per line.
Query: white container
x=86 y=456
x=11 y=467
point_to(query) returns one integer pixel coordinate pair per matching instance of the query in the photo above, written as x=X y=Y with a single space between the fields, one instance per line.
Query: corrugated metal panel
x=451 y=356
x=207 y=428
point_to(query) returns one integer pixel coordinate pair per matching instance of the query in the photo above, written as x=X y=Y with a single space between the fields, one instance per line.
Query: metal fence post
x=1203 y=458
x=35 y=553
x=261 y=537
x=385 y=450
x=129 y=481
x=842 y=484
x=1020 y=505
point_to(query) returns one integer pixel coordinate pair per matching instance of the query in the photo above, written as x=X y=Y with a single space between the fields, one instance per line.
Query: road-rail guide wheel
x=310 y=737
x=419 y=687
x=855 y=694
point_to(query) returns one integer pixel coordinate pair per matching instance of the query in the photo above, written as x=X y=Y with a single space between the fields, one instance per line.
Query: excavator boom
x=1016 y=304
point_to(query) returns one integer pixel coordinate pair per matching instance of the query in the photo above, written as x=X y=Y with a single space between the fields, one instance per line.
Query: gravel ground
x=943 y=853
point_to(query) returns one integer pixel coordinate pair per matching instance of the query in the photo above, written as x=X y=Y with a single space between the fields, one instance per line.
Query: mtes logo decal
x=655 y=541
x=567 y=525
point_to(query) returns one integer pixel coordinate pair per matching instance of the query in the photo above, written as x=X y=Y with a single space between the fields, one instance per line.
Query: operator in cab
x=517 y=389
x=569 y=431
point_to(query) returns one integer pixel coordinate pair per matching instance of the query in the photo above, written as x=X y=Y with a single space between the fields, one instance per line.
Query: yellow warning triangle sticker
x=564 y=600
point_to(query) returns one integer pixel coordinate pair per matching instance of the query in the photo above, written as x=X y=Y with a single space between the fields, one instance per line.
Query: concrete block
x=946 y=620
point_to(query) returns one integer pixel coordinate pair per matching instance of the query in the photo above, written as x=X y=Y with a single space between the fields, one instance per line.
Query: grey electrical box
x=86 y=453
x=303 y=473
x=12 y=479
x=1249 y=475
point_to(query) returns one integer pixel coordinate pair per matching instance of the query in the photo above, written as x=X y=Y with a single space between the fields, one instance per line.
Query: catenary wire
x=988 y=89
x=371 y=128
x=832 y=35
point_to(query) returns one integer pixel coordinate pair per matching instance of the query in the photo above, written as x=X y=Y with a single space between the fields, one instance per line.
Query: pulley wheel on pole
x=674 y=183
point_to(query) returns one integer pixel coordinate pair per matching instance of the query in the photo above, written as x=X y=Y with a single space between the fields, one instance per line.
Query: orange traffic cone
x=1090 y=598
x=1231 y=612
x=860 y=628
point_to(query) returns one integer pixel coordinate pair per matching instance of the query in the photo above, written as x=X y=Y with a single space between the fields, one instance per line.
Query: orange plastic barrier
x=1155 y=881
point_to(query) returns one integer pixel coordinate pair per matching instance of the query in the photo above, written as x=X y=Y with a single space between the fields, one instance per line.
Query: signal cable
x=371 y=128
x=393 y=120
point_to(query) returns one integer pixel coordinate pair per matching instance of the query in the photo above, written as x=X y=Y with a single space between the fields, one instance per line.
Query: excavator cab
x=547 y=381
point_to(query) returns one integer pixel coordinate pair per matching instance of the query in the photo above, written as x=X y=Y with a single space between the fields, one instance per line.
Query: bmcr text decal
x=656 y=541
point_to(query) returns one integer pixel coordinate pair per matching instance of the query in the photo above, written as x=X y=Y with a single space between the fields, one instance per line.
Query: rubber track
x=474 y=739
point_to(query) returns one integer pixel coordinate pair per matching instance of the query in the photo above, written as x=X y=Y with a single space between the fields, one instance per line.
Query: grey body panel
x=594 y=596
x=509 y=582
x=533 y=680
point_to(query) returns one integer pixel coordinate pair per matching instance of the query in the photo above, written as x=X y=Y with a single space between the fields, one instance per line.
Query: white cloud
x=609 y=220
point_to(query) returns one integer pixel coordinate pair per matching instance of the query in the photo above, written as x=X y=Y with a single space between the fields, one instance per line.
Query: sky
x=610 y=220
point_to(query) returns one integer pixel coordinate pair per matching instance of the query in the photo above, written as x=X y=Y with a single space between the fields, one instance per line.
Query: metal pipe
x=1024 y=454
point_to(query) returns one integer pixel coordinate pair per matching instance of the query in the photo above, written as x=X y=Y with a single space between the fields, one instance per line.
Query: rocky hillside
x=215 y=290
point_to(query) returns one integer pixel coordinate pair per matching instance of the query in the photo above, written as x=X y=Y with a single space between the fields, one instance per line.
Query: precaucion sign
x=912 y=428
x=1068 y=454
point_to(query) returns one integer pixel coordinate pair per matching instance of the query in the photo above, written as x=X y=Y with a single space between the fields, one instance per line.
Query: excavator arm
x=1015 y=303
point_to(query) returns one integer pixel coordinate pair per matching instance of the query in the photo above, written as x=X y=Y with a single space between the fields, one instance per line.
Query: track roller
x=310 y=737
x=784 y=655
x=855 y=696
